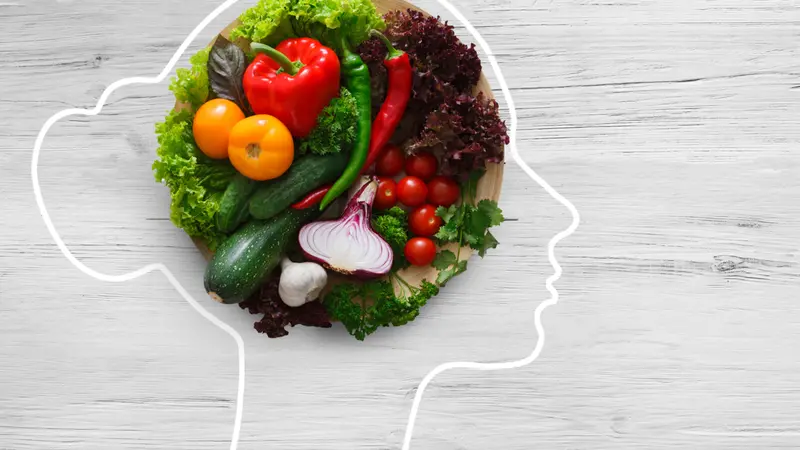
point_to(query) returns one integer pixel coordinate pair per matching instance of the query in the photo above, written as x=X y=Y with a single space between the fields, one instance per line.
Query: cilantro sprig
x=466 y=224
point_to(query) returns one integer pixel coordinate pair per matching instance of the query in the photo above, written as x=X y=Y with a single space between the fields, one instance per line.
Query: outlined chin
x=225 y=327
x=550 y=246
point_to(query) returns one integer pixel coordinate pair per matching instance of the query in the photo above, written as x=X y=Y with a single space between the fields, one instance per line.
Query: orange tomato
x=261 y=147
x=212 y=126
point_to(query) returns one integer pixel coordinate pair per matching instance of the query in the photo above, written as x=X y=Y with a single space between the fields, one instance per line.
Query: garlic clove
x=301 y=283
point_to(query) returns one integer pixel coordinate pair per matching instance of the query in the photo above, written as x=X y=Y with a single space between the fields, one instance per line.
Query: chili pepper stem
x=393 y=52
x=287 y=65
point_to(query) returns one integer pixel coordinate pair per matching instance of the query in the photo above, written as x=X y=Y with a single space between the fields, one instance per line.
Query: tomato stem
x=253 y=150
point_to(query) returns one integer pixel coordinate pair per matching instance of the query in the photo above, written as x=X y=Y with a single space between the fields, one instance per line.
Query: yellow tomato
x=261 y=147
x=212 y=126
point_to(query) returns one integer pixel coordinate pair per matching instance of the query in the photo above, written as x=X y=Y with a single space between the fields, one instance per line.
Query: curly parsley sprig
x=347 y=304
x=335 y=130
x=392 y=225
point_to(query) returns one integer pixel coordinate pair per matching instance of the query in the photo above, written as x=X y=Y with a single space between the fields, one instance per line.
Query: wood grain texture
x=671 y=125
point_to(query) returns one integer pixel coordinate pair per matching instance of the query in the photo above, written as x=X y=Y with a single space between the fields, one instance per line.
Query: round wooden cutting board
x=489 y=185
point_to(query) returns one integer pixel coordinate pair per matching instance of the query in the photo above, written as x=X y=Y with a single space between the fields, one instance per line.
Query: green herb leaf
x=444 y=259
x=477 y=221
x=468 y=224
x=490 y=209
x=489 y=241
x=451 y=271
x=346 y=303
x=452 y=219
x=448 y=232
x=336 y=127
x=446 y=213
x=392 y=225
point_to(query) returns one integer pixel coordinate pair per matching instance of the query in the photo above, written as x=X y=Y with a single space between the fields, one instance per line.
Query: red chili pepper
x=313 y=198
x=399 y=67
x=293 y=82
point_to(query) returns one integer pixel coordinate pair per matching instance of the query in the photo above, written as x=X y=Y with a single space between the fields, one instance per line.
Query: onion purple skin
x=360 y=274
x=357 y=215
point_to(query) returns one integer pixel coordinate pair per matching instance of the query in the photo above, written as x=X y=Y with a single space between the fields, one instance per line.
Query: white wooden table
x=672 y=126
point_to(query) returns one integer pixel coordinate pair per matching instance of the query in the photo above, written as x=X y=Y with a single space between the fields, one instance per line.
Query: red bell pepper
x=293 y=82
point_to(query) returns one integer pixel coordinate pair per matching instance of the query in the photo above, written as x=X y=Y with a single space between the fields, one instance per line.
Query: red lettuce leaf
x=443 y=65
x=277 y=315
x=466 y=131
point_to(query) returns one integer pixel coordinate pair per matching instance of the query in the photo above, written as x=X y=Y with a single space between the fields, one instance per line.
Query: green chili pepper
x=357 y=81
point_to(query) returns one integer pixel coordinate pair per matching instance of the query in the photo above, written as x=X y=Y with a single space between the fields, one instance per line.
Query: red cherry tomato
x=411 y=191
x=443 y=191
x=422 y=165
x=423 y=221
x=390 y=162
x=420 y=251
x=386 y=197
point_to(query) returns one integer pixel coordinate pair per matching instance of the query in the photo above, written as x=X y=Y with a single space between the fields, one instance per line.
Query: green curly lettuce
x=329 y=21
x=196 y=182
x=336 y=127
x=191 y=85
x=265 y=22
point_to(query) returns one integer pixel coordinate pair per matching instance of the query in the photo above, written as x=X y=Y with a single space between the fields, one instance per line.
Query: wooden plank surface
x=672 y=126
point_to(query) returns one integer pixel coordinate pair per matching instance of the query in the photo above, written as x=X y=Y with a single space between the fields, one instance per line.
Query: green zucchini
x=306 y=174
x=233 y=208
x=244 y=260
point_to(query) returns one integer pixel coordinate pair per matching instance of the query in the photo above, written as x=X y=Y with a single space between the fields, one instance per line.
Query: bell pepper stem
x=393 y=52
x=286 y=64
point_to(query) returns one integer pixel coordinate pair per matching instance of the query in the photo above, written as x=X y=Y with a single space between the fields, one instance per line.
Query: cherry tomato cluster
x=422 y=190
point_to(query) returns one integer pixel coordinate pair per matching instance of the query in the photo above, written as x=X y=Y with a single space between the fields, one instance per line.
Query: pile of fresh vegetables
x=320 y=151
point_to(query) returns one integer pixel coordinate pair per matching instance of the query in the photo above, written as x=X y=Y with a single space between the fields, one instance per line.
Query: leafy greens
x=388 y=309
x=329 y=21
x=392 y=225
x=196 y=183
x=191 y=85
x=336 y=127
x=263 y=21
x=466 y=224
x=467 y=131
x=277 y=315
x=443 y=65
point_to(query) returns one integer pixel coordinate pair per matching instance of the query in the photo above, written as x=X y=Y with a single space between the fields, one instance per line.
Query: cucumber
x=245 y=260
x=305 y=175
x=233 y=209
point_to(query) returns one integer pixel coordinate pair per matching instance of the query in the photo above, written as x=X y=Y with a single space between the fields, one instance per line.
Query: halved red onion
x=348 y=245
